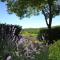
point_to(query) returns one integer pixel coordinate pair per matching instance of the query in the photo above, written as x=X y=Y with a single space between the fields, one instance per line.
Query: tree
x=27 y=8
x=49 y=11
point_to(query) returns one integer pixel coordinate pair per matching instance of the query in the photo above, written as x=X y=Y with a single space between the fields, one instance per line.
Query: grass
x=28 y=34
x=43 y=54
x=51 y=53
x=54 y=51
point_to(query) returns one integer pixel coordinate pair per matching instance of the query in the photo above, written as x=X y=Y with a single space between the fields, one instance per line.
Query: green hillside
x=30 y=31
x=35 y=31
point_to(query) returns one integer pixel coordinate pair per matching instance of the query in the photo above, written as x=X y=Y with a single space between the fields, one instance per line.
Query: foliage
x=7 y=40
x=31 y=49
x=25 y=8
x=17 y=46
x=54 y=51
x=43 y=54
x=55 y=33
x=50 y=10
x=30 y=32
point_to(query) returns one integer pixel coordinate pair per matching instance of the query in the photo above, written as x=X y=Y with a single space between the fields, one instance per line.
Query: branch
x=45 y=17
x=50 y=13
x=46 y=21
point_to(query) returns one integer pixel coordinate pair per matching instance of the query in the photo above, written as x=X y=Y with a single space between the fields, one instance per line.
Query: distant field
x=30 y=32
x=35 y=31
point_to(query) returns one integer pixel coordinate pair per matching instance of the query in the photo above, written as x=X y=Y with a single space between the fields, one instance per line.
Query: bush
x=55 y=33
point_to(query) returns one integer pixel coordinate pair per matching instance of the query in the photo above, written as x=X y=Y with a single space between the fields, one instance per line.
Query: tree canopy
x=25 y=8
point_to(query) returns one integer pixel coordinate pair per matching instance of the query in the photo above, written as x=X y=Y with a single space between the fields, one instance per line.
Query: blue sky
x=32 y=22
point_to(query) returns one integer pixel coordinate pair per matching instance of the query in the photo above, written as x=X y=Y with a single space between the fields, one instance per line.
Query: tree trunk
x=50 y=22
x=49 y=35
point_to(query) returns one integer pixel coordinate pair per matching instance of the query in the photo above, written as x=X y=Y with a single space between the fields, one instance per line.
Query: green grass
x=43 y=54
x=54 y=51
x=30 y=32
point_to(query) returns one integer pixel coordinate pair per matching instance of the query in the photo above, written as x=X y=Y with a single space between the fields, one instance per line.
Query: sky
x=32 y=22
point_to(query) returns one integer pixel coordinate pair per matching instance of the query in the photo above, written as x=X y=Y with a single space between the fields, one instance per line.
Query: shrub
x=55 y=33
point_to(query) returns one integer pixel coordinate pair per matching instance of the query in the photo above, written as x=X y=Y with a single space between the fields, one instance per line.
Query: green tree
x=27 y=8
x=49 y=11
